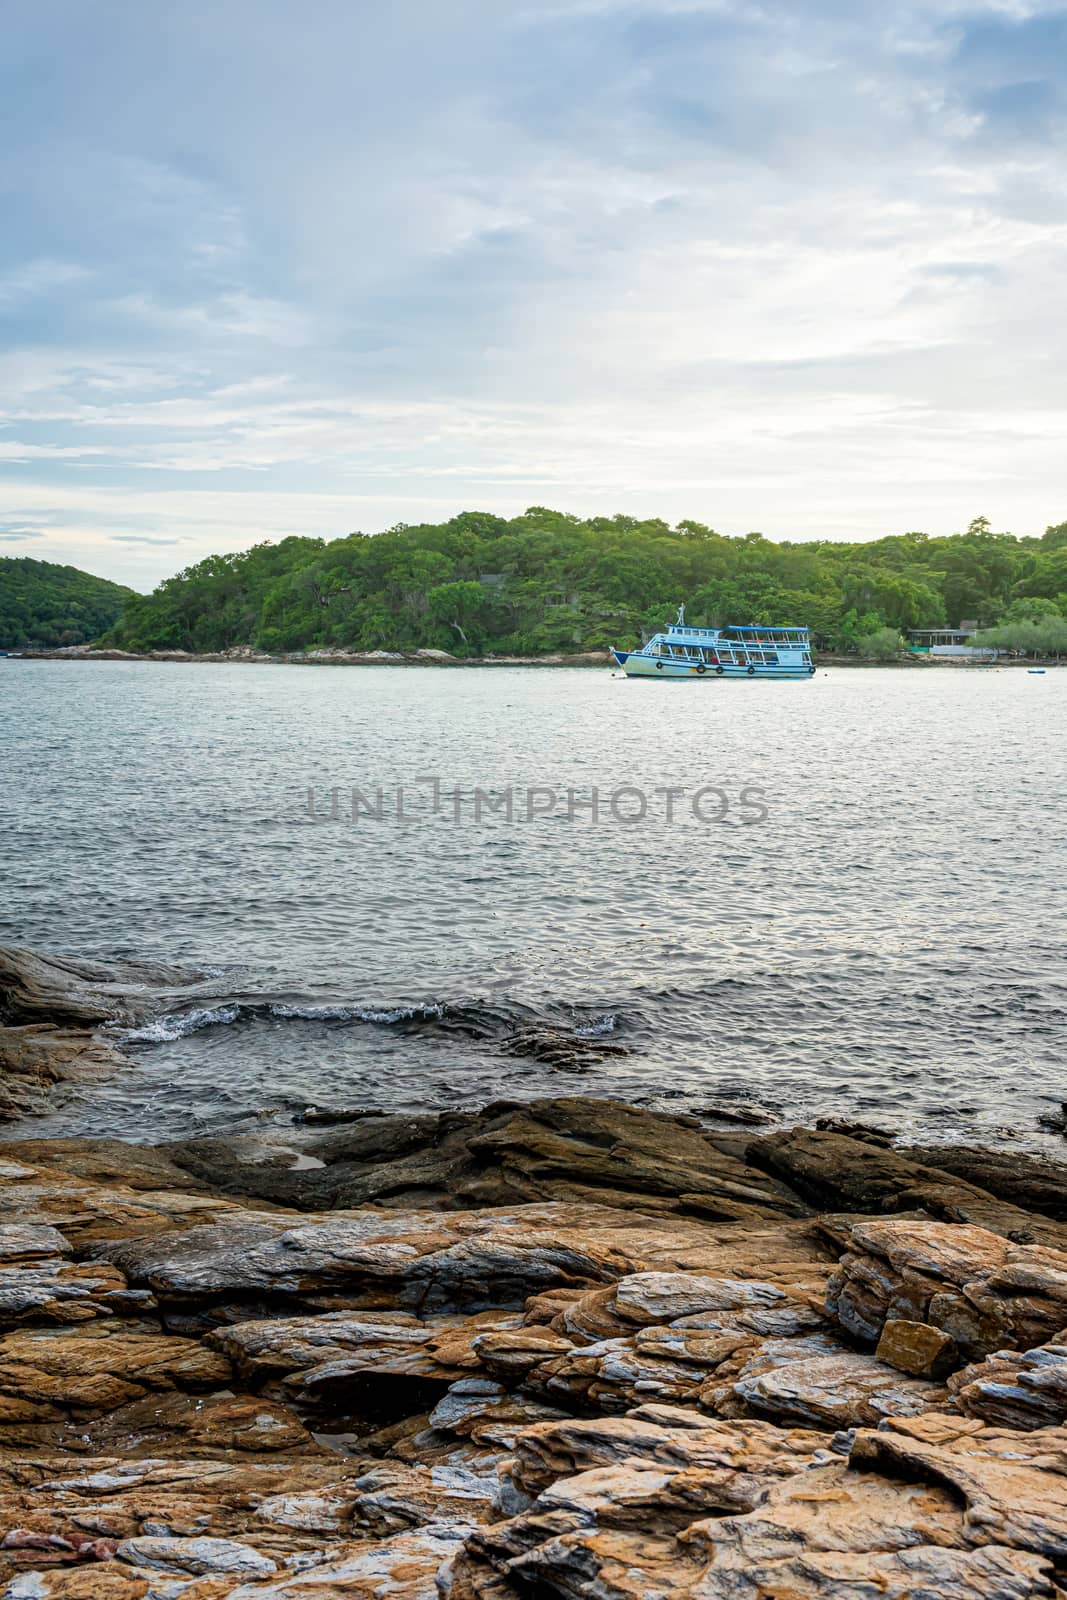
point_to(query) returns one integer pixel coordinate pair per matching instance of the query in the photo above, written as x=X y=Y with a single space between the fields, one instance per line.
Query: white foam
x=596 y=1030
x=165 y=1029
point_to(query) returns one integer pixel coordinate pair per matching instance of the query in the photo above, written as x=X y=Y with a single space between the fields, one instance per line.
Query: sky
x=269 y=268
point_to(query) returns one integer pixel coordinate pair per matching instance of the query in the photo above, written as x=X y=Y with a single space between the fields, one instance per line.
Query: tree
x=548 y=580
x=882 y=645
x=460 y=606
x=46 y=605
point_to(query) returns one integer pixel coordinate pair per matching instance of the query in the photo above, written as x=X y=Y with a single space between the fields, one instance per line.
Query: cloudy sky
x=269 y=267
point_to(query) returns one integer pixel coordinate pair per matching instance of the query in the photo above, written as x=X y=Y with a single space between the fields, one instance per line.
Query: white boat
x=751 y=651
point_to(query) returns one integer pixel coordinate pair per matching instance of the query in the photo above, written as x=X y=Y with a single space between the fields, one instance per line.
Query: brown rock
x=986 y=1292
x=916 y=1348
x=97 y=1368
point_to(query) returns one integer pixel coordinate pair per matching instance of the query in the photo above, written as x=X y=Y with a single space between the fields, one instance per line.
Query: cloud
x=761 y=265
x=139 y=538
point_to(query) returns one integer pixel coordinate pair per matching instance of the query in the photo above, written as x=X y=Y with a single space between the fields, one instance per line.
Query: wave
x=598 y=1028
x=341 y=1013
x=509 y=1024
x=165 y=1029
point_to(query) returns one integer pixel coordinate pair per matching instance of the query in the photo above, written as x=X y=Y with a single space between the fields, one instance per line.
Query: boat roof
x=737 y=627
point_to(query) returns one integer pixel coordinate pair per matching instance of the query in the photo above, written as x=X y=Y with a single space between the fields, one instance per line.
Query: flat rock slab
x=432 y=1261
x=576 y=1148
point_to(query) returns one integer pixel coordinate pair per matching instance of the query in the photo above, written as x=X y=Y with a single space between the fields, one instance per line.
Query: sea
x=407 y=888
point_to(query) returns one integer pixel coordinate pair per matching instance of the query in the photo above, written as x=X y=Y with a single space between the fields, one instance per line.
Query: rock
x=115 y=1581
x=903 y=1517
x=1016 y=1390
x=35 y=1057
x=118 y=1498
x=1013 y=1500
x=57 y=1291
x=1032 y=1182
x=323 y=1352
x=409 y=1566
x=549 y=1395
x=20 y=1241
x=46 y=1371
x=848 y=1174
x=573 y=1149
x=198 y=1556
x=984 y=1291
x=477 y=1408
x=842 y=1390
x=176 y=1422
x=510 y=1353
x=753 y=1452
x=105 y=1162
x=916 y=1348
x=87 y=1212
x=56 y=989
x=489 y=1259
x=393 y=1496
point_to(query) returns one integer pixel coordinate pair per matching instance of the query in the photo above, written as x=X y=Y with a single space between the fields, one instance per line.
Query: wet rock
x=862 y=1131
x=848 y=1174
x=56 y=989
x=1033 y=1182
x=986 y=1292
x=916 y=1348
x=35 y=1058
x=575 y=1149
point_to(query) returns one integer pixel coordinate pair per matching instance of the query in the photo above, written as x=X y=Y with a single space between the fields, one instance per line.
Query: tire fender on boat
x=751 y=671
x=702 y=668
x=719 y=672
x=659 y=666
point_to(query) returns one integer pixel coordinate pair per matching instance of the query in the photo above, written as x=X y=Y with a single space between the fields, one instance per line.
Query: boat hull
x=638 y=666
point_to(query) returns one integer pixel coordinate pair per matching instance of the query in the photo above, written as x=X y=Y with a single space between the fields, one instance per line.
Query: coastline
x=441 y=658
x=562 y=1347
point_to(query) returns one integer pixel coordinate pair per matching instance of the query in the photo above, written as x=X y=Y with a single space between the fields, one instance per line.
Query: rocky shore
x=337 y=656
x=561 y=1348
x=333 y=656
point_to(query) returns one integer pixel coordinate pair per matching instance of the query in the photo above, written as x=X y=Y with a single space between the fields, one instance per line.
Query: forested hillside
x=45 y=604
x=548 y=581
